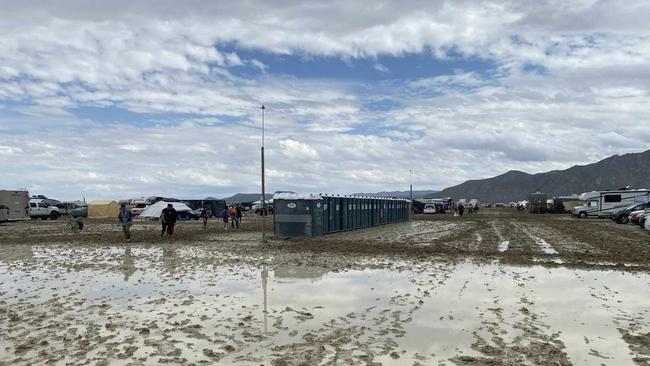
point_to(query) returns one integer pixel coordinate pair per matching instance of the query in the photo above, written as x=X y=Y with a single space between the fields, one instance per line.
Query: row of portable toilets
x=297 y=215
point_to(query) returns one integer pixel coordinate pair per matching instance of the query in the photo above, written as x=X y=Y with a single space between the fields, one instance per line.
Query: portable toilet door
x=325 y=216
x=316 y=208
x=335 y=222
x=344 y=213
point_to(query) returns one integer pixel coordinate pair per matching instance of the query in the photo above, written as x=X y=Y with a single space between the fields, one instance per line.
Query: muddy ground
x=498 y=288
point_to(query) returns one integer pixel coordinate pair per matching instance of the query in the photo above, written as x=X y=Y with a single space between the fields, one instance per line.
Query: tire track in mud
x=542 y=244
x=503 y=244
x=513 y=333
x=513 y=241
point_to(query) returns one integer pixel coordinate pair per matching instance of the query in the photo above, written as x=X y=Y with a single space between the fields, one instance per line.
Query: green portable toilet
x=297 y=215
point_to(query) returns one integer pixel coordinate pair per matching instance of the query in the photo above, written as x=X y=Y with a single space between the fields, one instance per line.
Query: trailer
x=14 y=205
x=602 y=203
x=537 y=202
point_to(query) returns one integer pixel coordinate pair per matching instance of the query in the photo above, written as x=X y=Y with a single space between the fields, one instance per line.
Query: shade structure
x=102 y=209
x=156 y=209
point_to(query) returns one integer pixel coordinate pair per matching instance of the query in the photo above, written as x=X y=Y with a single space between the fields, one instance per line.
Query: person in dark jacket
x=125 y=218
x=224 y=216
x=204 y=215
x=168 y=218
x=461 y=209
x=239 y=215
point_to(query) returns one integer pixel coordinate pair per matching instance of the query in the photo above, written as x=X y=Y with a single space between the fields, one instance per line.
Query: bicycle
x=75 y=225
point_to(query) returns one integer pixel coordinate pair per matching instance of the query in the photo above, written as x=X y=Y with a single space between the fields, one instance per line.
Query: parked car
x=39 y=208
x=623 y=216
x=188 y=215
x=79 y=212
x=139 y=207
x=636 y=215
x=643 y=219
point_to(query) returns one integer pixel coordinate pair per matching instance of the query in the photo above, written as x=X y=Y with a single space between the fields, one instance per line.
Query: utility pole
x=411 y=183
x=263 y=187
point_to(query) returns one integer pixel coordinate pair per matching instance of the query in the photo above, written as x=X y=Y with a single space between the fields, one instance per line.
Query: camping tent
x=102 y=209
x=156 y=209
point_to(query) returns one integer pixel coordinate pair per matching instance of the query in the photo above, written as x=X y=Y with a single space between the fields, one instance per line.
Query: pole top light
x=263 y=107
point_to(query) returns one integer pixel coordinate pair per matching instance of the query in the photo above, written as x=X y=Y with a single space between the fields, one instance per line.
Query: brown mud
x=439 y=290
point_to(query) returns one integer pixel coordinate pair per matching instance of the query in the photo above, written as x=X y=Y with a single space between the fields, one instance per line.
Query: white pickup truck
x=42 y=210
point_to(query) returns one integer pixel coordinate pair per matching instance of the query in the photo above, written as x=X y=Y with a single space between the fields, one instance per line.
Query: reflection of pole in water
x=265 y=276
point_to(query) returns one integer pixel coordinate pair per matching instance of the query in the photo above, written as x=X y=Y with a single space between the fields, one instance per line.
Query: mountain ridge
x=613 y=172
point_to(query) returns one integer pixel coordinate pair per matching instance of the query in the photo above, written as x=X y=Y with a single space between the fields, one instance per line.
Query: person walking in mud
x=204 y=215
x=476 y=208
x=168 y=218
x=125 y=218
x=239 y=215
x=233 y=217
x=224 y=217
x=461 y=209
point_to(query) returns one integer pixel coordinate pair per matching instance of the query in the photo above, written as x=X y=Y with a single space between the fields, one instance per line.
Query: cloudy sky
x=119 y=99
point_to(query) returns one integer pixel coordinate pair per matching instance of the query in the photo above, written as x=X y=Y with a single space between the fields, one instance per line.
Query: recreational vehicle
x=602 y=203
x=14 y=205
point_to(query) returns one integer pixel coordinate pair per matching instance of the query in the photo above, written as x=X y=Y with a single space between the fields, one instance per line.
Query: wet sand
x=437 y=290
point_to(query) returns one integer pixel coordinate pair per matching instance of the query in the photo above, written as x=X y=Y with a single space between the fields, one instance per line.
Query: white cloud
x=297 y=150
x=588 y=97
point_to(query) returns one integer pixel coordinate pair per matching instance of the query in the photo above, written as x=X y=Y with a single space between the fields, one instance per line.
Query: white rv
x=602 y=203
x=14 y=205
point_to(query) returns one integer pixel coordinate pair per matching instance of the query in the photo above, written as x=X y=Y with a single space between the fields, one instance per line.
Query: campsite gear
x=102 y=209
x=156 y=209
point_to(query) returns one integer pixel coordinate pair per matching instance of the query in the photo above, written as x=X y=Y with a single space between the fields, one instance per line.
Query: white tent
x=156 y=209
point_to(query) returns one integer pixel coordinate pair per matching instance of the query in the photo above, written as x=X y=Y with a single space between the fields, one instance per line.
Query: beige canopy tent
x=103 y=209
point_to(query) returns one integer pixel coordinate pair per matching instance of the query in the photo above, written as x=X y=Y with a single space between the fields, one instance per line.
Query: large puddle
x=144 y=305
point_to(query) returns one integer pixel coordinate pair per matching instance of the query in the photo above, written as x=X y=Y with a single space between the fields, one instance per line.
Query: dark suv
x=623 y=216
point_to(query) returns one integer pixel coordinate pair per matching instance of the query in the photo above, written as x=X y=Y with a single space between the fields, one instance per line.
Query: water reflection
x=128 y=264
x=170 y=258
x=312 y=273
x=265 y=276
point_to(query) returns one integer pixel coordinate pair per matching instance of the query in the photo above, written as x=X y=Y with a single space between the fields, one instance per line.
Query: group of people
x=460 y=209
x=232 y=212
x=169 y=216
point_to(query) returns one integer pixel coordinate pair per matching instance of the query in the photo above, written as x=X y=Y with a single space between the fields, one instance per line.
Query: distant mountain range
x=247 y=197
x=398 y=194
x=611 y=173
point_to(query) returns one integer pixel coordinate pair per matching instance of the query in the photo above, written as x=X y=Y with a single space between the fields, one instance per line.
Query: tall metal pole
x=411 y=183
x=263 y=187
